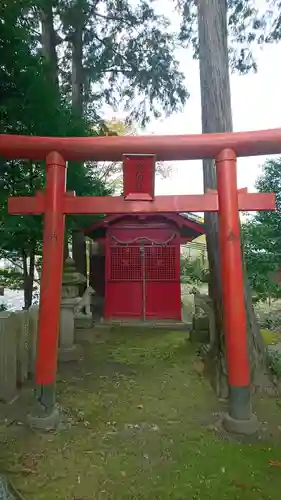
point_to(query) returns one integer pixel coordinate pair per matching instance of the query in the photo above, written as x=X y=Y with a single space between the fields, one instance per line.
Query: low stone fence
x=18 y=333
x=17 y=350
x=18 y=340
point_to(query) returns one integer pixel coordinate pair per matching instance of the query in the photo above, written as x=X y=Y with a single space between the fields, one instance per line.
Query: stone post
x=8 y=357
x=22 y=319
x=33 y=312
x=71 y=280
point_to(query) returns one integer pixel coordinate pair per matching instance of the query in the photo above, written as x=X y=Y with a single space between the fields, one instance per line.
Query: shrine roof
x=190 y=225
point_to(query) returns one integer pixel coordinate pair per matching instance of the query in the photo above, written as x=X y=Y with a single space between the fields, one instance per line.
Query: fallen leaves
x=241 y=486
x=274 y=463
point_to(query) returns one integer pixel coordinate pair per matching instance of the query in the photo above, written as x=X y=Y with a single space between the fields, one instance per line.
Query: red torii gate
x=55 y=203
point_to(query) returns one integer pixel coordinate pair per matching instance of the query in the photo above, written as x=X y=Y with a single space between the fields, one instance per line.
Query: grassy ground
x=140 y=422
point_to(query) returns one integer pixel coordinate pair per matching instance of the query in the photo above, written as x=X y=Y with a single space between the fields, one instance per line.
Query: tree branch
x=113 y=18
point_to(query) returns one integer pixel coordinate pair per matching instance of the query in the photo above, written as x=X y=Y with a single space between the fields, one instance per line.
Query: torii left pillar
x=45 y=414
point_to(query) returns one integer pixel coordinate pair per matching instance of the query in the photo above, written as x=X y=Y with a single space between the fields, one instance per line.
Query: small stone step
x=161 y=325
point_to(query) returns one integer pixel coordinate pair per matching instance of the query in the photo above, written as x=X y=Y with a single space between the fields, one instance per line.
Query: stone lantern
x=71 y=279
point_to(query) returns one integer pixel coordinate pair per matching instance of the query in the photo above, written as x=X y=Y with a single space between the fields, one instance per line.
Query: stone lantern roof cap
x=70 y=275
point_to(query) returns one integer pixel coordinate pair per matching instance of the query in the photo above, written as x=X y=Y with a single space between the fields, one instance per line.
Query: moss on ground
x=139 y=422
x=270 y=337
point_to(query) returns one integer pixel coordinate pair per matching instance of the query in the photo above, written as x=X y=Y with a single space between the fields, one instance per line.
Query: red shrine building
x=135 y=269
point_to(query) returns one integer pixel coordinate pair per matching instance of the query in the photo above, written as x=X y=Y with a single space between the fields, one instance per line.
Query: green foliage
x=11 y=279
x=192 y=271
x=128 y=57
x=30 y=105
x=25 y=94
x=261 y=264
x=274 y=363
x=261 y=236
x=125 y=53
x=272 y=322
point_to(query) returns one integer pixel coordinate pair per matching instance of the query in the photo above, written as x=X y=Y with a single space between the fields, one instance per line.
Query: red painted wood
x=163 y=297
x=179 y=220
x=234 y=313
x=251 y=202
x=151 y=232
x=140 y=286
x=51 y=276
x=54 y=204
x=123 y=300
x=21 y=205
x=161 y=204
x=138 y=177
x=123 y=291
x=163 y=301
x=169 y=147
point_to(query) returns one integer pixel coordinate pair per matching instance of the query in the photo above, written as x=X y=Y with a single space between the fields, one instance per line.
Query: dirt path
x=139 y=422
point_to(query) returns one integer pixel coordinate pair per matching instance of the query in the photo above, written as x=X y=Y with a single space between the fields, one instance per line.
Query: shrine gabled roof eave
x=104 y=222
x=183 y=221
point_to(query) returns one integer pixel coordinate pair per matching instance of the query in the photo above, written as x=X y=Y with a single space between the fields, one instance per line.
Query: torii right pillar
x=240 y=418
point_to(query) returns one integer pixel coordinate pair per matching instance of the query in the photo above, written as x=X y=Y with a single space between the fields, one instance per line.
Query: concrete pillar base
x=72 y=353
x=246 y=427
x=44 y=420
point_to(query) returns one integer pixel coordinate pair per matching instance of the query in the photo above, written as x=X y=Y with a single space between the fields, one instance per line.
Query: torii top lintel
x=171 y=147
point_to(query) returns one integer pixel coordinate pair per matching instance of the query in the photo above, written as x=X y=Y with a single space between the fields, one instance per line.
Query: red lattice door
x=125 y=263
x=143 y=282
x=124 y=297
x=160 y=263
x=162 y=282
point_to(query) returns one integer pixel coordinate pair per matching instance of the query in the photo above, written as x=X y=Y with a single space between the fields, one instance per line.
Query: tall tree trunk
x=48 y=40
x=28 y=276
x=77 y=75
x=49 y=43
x=217 y=117
x=77 y=82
